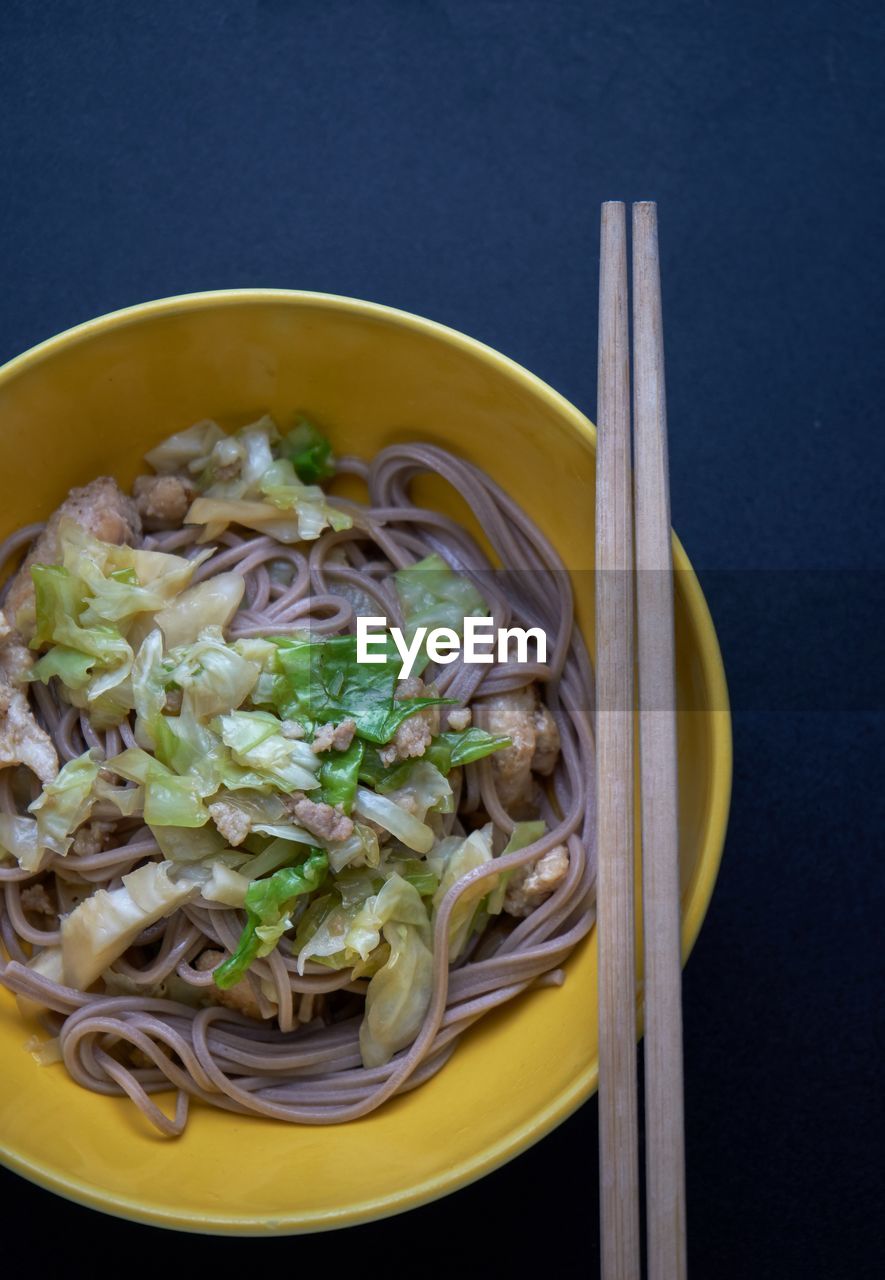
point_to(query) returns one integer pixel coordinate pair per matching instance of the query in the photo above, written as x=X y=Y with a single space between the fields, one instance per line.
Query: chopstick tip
x=645 y=209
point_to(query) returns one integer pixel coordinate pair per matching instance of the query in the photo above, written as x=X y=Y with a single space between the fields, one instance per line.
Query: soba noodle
x=304 y=1067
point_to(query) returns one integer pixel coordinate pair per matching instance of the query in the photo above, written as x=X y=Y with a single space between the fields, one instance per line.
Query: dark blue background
x=450 y=158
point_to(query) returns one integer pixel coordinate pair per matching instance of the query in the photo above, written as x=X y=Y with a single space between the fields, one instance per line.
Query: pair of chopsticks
x=622 y=506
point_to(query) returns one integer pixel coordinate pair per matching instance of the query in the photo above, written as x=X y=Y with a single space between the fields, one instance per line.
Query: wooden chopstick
x=618 y=1133
x=664 y=1123
x=616 y=500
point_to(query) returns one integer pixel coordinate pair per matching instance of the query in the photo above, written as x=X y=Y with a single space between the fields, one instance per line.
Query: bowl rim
x=584 y=1085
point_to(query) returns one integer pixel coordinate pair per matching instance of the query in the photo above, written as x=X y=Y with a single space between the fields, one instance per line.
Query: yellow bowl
x=91 y=401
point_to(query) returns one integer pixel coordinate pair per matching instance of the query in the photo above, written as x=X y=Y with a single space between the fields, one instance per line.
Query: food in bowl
x=245 y=859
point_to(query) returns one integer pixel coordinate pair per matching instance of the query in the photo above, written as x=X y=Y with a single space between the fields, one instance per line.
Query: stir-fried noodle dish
x=239 y=860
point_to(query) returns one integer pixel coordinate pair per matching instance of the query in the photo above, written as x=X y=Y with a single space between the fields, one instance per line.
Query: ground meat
x=547 y=743
x=529 y=886
x=174 y=699
x=240 y=997
x=413 y=736
x=231 y=822
x=291 y=729
x=35 y=899
x=22 y=741
x=460 y=719
x=16 y=659
x=163 y=501
x=534 y=745
x=92 y=838
x=334 y=737
x=102 y=509
x=321 y=820
x=411 y=687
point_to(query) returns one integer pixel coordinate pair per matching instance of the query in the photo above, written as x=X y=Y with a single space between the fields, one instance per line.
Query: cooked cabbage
x=322 y=682
x=169 y=800
x=309 y=451
x=149 y=679
x=188 y=844
x=374 y=808
x=59 y=600
x=64 y=804
x=399 y=994
x=351 y=930
x=18 y=836
x=207 y=604
x=432 y=595
x=281 y=487
x=454 y=858
x=268 y=906
x=423 y=789
x=214 y=677
x=263 y=517
x=257 y=743
x=186 y=450
x=225 y=885
x=360 y=848
x=88 y=607
x=120 y=581
x=279 y=853
x=106 y=924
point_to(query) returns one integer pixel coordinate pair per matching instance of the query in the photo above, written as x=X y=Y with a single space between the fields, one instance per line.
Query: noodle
x=305 y=1069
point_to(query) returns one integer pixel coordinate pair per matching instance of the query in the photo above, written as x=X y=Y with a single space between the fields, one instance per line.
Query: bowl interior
x=92 y=402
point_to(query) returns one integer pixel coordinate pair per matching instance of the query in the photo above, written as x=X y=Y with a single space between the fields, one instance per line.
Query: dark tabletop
x=449 y=158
